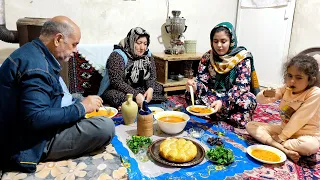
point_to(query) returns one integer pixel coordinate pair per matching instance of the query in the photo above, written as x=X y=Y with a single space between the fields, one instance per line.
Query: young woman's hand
x=192 y=83
x=148 y=95
x=139 y=99
x=216 y=105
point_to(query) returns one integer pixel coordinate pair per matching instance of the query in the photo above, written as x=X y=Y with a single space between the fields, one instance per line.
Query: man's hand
x=92 y=103
x=192 y=83
x=148 y=95
x=217 y=105
x=139 y=99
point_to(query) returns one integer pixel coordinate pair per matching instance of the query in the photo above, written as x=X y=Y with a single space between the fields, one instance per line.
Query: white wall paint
x=306 y=26
x=108 y=21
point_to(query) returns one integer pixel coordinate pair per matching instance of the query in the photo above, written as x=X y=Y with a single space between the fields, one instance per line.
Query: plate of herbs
x=220 y=155
x=137 y=142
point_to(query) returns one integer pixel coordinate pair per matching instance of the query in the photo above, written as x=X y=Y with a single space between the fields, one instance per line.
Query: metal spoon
x=192 y=95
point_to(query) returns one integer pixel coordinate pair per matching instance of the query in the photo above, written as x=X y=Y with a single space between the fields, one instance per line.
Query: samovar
x=175 y=26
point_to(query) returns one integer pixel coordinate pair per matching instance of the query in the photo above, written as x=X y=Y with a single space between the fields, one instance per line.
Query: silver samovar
x=175 y=26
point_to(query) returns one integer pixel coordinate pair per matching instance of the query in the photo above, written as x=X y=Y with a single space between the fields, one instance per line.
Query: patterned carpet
x=106 y=164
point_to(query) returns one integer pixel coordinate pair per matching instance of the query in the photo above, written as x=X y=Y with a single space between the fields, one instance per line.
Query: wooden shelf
x=176 y=63
x=171 y=83
x=178 y=57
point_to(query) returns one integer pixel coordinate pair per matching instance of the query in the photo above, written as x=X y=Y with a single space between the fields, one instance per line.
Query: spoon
x=192 y=99
x=107 y=109
x=192 y=95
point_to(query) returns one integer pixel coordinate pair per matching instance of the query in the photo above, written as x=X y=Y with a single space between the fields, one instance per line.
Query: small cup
x=142 y=154
x=196 y=132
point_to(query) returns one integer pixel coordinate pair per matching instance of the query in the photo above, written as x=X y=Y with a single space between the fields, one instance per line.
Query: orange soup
x=173 y=119
x=201 y=110
x=101 y=112
x=265 y=155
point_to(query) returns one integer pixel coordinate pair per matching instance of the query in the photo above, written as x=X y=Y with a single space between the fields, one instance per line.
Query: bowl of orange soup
x=171 y=122
x=109 y=112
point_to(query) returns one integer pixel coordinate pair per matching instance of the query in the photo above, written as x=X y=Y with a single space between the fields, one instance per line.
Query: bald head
x=61 y=36
x=59 y=24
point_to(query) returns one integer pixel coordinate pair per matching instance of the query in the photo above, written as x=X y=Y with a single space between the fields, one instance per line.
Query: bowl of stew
x=171 y=122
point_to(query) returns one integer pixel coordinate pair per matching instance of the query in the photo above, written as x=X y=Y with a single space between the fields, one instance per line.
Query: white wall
x=108 y=21
x=306 y=26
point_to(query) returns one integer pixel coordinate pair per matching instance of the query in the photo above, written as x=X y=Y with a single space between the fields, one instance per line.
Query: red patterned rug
x=306 y=168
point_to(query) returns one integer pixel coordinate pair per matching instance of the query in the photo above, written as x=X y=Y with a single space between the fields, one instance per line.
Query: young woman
x=136 y=74
x=225 y=78
x=299 y=133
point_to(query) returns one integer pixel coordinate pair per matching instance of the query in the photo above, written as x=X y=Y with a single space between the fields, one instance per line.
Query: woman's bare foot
x=294 y=156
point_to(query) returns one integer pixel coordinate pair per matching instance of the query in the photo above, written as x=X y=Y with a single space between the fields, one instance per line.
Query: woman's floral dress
x=238 y=103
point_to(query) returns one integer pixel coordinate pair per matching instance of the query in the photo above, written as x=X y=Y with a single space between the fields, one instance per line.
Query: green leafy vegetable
x=136 y=142
x=220 y=155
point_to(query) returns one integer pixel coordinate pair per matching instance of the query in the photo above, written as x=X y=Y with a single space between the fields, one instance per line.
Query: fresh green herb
x=136 y=142
x=220 y=155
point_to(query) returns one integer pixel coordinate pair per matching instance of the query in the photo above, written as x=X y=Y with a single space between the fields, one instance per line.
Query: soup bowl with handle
x=170 y=127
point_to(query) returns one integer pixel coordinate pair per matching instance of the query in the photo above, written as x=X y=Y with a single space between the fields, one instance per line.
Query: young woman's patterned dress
x=238 y=103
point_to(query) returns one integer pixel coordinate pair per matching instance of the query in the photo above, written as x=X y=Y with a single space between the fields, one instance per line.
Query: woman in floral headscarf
x=137 y=75
x=226 y=78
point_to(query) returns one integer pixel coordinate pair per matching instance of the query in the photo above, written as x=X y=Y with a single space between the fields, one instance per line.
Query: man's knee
x=103 y=130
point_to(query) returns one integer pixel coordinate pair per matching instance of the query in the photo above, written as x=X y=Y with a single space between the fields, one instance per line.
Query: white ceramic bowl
x=171 y=127
x=282 y=155
x=155 y=109
x=105 y=108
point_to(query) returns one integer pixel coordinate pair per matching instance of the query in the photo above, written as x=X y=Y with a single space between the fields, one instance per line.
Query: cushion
x=87 y=67
x=83 y=77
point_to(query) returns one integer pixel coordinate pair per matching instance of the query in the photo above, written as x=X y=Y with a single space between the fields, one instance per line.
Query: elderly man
x=39 y=119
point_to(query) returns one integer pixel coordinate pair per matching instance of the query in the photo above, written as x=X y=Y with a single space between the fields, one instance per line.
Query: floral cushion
x=104 y=164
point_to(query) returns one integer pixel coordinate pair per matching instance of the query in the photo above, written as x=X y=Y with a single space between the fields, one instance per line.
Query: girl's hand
x=216 y=105
x=192 y=83
x=148 y=95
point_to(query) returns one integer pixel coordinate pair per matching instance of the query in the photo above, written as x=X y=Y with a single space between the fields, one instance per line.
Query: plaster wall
x=108 y=21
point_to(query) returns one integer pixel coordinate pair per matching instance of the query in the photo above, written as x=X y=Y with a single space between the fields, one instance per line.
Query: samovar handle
x=185 y=28
x=166 y=28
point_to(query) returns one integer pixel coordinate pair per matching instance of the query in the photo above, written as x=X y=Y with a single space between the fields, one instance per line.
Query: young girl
x=299 y=133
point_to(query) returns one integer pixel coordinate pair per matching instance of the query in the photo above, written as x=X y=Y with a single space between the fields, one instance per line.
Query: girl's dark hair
x=219 y=29
x=306 y=64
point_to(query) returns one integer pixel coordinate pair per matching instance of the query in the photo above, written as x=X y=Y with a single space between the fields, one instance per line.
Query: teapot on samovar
x=175 y=26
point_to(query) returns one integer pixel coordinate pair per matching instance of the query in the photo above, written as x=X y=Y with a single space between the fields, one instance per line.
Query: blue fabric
x=207 y=170
x=144 y=110
x=105 y=82
x=30 y=105
x=67 y=99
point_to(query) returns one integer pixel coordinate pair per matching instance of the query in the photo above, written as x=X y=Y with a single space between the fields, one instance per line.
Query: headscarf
x=140 y=69
x=224 y=65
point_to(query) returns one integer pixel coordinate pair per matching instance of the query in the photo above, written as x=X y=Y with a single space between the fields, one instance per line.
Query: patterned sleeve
x=242 y=81
x=203 y=75
x=151 y=82
x=202 y=79
x=116 y=69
